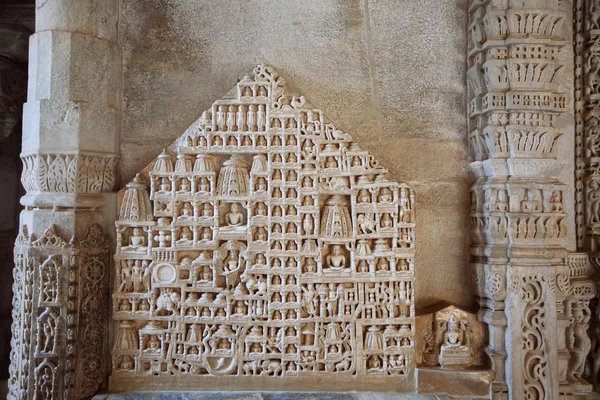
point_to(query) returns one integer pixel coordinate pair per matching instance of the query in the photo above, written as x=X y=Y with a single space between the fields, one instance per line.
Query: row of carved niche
x=135 y=276
x=496 y=229
x=141 y=238
x=332 y=156
x=392 y=339
x=279 y=291
x=532 y=199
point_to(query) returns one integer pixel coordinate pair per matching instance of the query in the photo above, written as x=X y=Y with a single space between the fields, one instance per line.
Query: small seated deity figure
x=186 y=235
x=308 y=201
x=277 y=193
x=356 y=161
x=290 y=210
x=382 y=264
x=291 y=176
x=261 y=234
x=260 y=260
x=291 y=228
x=307 y=182
x=291 y=263
x=276 y=263
x=501 y=201
x=261 y=141
x=291 y=245
x=256 y=348
x=386 y=221
x=291 y=140
x=276 y=280
x=385 y=195
x=126 y=363
x=276 y=245
x=261 y=210
x=277 y=228
x=153 y=343
x=206 y=274
x=530 y=203
x=187 y=211
x=362 y=266
x=310 y=265
x=556 y=204
x=373 y=363
x=240 y=308
x=184 y=186
x=364 y=196
x=261 y=184
x=165 y=185
x=277 y=158
x=455 y=350
x=137 y=238
x=234 y=217
x=336 y=259
x=204 y=184
x=402 y=265
x=276 y=139
x=277 y=211
x=218 y=141
x=330 y=162
x=206 y=234
x=207 y=210
x=247 y=141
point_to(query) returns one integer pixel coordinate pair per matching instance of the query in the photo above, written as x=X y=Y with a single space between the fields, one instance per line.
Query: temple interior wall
x=389 y=73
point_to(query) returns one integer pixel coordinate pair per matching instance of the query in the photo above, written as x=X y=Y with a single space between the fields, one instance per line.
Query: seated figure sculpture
x=455 y=351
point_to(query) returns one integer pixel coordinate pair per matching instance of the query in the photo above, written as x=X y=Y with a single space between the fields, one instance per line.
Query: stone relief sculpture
x=265 y=243
x=67 y=297
x=451 y=338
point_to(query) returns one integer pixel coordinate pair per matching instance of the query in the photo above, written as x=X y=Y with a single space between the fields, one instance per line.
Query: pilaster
x=69 y=154
x=518 y=117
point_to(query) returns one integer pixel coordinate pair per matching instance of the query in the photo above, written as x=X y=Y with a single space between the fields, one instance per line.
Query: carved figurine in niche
x=232 y=267
x=385 y=195
x=386 y=221
x=185 y=236
x=206 y=234
x=184 y=185
x=261 y=210
x=455 y=350
x=530 y=203
x=336 y=222
x=165 y=185
x=593 y=200
x=137 y=238
x=207 y=210
x=307 y=182
x=308 y=224
x=310 y=265
x=362 y=266
x=234 y=217
x=364 y=196
x=556 y=204
x=366 y=223
x=578 y=344
x=405 y=211
x=261 y=184
x=168 y=302
x=501 y=201
x=382 y=265
x=261 y=234
x=336 y=259
x=330 y=162
x=126 y=363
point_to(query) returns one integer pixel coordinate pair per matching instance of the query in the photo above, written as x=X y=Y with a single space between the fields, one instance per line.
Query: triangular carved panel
x=269 y=245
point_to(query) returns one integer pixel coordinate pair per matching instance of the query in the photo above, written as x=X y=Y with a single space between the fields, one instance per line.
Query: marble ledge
x=177 y=395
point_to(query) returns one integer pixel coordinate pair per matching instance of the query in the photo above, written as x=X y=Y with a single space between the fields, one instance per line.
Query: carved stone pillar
x=518 y=114
x=71 y=120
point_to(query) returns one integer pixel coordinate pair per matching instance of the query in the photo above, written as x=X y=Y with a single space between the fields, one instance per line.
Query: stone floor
x=268 y=396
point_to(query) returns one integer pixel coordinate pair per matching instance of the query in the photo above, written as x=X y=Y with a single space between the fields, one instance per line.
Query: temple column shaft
x=521 y=200
x=69 y=153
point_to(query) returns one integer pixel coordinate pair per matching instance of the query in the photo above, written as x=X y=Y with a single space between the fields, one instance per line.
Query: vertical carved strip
x=60 y=316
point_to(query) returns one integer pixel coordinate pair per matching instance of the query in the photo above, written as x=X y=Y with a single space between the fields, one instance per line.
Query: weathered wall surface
x=389 y=72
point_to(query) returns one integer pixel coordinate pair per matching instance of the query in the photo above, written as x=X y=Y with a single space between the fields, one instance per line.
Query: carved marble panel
x=264 y=242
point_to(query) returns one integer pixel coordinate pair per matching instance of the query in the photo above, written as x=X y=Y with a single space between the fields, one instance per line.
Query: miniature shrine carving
x=264 y=242
x=451 y=338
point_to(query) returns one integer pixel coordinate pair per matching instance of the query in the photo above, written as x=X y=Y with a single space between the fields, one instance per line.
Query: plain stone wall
x=389 y=72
